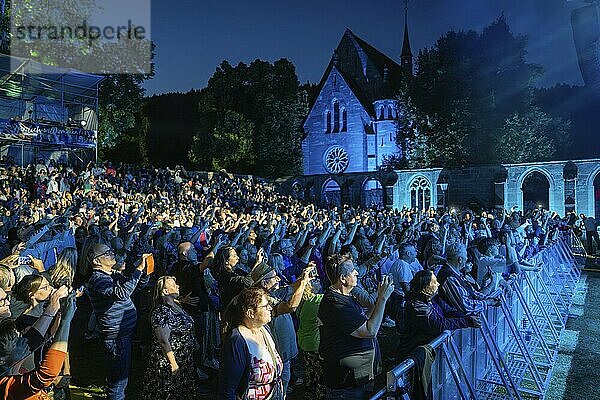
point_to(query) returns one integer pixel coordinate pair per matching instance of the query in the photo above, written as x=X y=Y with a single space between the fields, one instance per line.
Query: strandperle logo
x=94 y=36
x=85 y=31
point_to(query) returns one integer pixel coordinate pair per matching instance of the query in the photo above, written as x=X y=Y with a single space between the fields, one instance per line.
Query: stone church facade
x=351 y=128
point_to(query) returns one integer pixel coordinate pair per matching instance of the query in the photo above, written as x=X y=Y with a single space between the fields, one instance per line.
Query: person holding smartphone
x=110 y=293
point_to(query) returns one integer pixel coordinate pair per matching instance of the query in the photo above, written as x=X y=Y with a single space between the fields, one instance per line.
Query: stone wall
x=475 y=187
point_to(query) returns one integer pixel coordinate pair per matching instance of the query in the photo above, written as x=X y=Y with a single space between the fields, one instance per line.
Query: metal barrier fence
x=512 y=355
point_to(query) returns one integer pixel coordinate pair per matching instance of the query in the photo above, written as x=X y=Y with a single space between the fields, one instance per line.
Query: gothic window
x=390 y=115
x=344 y=120
x=336 y=116
x=381 y=115
x=420 y=194
x=328 y=122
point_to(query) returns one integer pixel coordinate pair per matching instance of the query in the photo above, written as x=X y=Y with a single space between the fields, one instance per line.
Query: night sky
x=193 y=37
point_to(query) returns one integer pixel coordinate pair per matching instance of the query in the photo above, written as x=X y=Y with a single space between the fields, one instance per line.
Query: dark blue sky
x=193 y=37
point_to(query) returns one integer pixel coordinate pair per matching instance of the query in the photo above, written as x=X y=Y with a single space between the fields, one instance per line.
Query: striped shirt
x=455 y=291
x=110 y=295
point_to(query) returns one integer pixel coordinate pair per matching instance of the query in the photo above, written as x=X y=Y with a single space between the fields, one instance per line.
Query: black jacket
x=424 y=320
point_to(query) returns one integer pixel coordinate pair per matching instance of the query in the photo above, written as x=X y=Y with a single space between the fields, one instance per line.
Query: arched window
x=389 y=110
x=328 y=122
x=336 y=116
x=332 y=193
x=372 y=193
x=381 y=110
x=420 y=194
x=344 y=120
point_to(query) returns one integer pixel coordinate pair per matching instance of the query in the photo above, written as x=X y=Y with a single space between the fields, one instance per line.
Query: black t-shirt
x=340 y=316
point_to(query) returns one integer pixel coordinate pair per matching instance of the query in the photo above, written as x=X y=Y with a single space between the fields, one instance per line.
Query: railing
x=511 y=356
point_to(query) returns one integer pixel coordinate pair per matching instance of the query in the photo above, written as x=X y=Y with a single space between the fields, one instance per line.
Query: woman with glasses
x=170 y=373
x=250 y=365
x=33 y=291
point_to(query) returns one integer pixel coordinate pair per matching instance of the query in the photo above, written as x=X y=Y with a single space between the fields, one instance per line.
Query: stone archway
x=535 y=189
x=331 y=193
x=372 y=193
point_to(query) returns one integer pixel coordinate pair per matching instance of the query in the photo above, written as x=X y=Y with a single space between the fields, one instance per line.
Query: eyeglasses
x=106 y=253
x=267 y=306
x=44 y=287
x=268 y=278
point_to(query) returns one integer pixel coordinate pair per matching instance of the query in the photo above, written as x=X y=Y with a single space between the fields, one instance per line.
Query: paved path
x=577 y=372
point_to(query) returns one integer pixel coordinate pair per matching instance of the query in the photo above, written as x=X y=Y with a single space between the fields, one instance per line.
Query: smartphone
x=150 y=264
x=24 y=260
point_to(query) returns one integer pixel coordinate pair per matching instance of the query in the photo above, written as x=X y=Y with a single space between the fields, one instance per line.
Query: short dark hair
x=485 y=244
x=420 y=281
x=403 y=246
x=335 y=266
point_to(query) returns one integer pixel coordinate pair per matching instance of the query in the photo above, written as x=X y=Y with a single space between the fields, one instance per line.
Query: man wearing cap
x=284 y=301
x=110 y=294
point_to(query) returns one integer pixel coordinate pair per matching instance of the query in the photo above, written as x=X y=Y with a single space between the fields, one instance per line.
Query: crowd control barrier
x=512 y=355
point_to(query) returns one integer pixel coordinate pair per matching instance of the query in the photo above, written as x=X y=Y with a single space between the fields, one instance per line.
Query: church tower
x=406 y=58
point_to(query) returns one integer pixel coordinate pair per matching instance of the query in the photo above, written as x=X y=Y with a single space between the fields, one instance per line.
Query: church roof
x=363 y=67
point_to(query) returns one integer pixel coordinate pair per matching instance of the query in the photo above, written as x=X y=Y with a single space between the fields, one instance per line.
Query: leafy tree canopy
x=470 y=91
x=267 y=103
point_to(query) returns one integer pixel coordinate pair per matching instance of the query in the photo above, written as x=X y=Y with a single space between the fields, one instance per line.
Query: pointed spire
x=406 y=55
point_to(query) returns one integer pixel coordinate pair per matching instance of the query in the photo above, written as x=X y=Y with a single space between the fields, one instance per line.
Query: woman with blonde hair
x=63 y=272
x=171 y=372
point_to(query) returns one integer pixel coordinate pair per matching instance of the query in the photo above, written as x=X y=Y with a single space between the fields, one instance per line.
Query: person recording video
x=110 y=294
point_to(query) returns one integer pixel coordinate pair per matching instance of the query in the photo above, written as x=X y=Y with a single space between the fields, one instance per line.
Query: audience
x=232 y=254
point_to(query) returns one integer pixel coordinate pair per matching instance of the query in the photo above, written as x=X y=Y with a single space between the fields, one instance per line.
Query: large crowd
x=256 y=290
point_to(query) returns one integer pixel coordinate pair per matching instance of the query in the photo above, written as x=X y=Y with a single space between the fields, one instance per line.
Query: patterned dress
x=159 y=382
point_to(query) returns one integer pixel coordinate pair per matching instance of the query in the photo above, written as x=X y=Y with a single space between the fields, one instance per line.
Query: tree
x=231 y=146
x=264 y=94
x=529 y=136
x=466 y=91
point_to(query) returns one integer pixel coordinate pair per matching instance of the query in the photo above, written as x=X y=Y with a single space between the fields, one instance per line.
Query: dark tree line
x=472 y=101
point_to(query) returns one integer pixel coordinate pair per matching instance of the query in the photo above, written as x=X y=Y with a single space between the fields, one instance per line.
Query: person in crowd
x=347 y=344
x=14 y=349
x=230 y=284
x=171 y=369
x=591 y=233
x=402 y=271
x=309 y=338
x=33 y=291
x=284 y=301
x=251 y=367
x=426 y=315
x=63 y=272
x=110 y=294
x=454 y=290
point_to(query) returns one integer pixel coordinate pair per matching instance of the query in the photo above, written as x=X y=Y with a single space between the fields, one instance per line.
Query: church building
x=352 y=125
